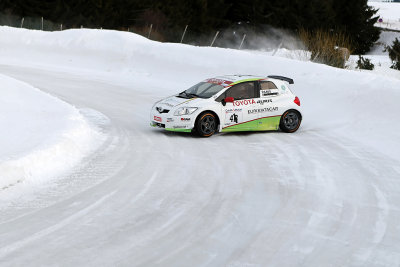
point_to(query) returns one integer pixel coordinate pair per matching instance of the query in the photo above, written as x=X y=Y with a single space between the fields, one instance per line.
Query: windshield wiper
x=183 y=94
x=192 y=95
x=188 y=95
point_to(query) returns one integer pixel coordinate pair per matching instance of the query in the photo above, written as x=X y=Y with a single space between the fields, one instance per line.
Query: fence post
x=241 y=43
x=22 y=22
x=276 y=50
x=81 y=26
x=42 y=23
x=61 y=27
x=215 y=37
x=184 y=32
x=151 y=27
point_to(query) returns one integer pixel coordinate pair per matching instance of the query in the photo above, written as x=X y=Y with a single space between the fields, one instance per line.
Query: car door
x=270 y=104
x=236 y=116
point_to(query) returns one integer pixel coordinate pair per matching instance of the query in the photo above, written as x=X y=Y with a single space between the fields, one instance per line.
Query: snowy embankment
x=41 y=136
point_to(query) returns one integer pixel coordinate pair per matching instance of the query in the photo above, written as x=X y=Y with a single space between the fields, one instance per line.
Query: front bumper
x=170 y=122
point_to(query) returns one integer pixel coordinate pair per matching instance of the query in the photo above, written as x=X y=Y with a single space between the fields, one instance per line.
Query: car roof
x=240 y=78
x=229 y=80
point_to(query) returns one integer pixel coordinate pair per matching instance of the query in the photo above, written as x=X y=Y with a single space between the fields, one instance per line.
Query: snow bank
x=94 y=50
x=41 y=136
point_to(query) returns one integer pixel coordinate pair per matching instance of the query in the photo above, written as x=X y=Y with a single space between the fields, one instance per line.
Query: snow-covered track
x=166 y=199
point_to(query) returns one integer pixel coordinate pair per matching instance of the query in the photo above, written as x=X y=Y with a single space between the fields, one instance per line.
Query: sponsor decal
x=224 y=83
x=157 y=119
x=179 y=127
x=244 y=102
x=283 y=87
x=170 y=119
x=269 y=92
x=262 y=110
x=262 y=101
x=233 y=116
x=232 y=110
x=185 y=119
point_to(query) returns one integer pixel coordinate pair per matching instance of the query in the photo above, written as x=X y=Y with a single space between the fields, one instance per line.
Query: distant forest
x=205 y=17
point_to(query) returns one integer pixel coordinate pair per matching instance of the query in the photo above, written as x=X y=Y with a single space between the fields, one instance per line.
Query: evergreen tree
x=357 y=19
x=394 y=54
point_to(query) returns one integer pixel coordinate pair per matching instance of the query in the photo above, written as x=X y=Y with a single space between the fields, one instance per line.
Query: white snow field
x=41 y=136
x=327 y=195
x=389 y=13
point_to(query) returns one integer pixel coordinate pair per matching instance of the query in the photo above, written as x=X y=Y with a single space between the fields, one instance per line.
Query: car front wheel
x=290 y=121
x=206 y=124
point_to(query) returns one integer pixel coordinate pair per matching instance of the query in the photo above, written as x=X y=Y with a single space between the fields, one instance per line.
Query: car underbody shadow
x=194 y=135
x=248 y=133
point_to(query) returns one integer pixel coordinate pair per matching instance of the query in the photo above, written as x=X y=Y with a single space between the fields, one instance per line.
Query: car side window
x=268 y=85
x=268 y=88
x=241 y=91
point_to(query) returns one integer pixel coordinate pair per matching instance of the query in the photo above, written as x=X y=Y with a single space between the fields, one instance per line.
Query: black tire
x=206 y=125
x=290 y=121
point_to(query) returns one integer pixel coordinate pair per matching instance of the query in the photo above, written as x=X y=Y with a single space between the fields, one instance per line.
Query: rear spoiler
x=286 y=79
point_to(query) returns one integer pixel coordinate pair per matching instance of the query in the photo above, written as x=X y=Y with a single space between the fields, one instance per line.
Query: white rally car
x=230 y=103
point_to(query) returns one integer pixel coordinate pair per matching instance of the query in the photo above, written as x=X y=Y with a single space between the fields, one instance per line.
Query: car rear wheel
x=290 y=121
x=206 y=124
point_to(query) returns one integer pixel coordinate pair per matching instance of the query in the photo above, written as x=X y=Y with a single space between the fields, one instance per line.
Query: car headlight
x=184 y=111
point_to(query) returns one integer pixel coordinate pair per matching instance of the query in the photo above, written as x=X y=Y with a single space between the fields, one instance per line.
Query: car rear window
x=268 y=85
x=268 y=89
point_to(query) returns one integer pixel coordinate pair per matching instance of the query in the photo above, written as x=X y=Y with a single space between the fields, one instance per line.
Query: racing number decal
x=233 y=116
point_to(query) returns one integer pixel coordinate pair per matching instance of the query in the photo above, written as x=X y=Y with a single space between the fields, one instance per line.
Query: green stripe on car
x=178 y=130
x=245 y=80
x=263 y=124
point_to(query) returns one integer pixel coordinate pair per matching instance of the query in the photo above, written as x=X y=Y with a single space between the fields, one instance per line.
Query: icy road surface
x=153 y=198
x=328 y=195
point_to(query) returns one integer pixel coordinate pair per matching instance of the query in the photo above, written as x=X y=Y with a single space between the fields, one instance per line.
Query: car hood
x=174 y=101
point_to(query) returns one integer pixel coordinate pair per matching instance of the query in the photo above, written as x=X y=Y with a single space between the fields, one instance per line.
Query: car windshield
x=202 y=90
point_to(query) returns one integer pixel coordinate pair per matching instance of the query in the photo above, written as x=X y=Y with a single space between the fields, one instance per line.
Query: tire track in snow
x=4 y=251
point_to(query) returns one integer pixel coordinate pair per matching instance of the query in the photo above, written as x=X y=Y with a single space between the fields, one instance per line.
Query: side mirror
x=229 y=99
